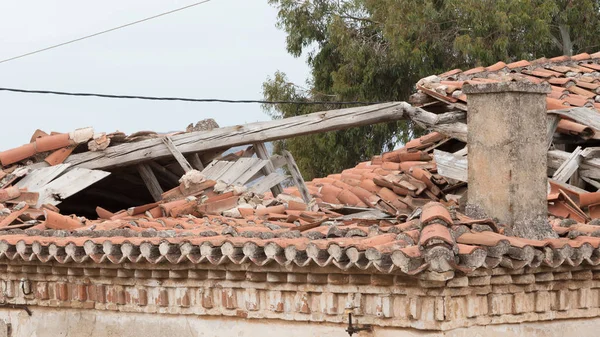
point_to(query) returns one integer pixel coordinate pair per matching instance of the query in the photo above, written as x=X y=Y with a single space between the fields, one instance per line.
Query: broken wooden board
x=268 y=182
x=451 y=166
x=38 y=178
x=568 y=167
x=241 y=167
x=68 y=184
x=262 y=153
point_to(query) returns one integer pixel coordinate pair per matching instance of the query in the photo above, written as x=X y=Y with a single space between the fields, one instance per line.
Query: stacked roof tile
x=393 y=213
x=574 y=80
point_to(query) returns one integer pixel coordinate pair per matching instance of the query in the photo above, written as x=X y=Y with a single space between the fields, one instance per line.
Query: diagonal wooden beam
x=297 y=176
x=195 y=161
x=150 y=181
x=185 y=165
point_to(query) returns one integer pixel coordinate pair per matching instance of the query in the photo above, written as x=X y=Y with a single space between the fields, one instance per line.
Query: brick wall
x=308 y=294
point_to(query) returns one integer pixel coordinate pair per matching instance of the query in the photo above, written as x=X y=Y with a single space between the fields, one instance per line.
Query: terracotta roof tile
x=518 y=64
x=435 y=211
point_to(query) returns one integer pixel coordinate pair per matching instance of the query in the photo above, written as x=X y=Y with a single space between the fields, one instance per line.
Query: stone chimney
x=508 y=156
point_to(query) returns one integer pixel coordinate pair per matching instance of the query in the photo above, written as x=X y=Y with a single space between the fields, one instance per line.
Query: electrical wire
x=105 y=31
x=184 y=99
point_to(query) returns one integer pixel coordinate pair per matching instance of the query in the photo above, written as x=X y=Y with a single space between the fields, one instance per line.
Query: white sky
x=221 y=49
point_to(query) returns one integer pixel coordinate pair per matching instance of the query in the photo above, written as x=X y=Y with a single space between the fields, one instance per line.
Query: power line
x=184 y=99
x=105 y=31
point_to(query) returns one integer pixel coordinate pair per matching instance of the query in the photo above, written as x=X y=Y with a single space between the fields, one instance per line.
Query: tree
x=375 y=50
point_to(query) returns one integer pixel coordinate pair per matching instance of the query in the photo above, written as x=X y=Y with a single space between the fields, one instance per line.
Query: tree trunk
x=567 y=44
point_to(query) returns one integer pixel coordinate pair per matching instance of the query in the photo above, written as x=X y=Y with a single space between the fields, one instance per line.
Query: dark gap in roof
x=122 y=189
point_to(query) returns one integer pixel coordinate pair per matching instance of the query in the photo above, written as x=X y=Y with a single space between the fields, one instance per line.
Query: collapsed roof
x=398 y=212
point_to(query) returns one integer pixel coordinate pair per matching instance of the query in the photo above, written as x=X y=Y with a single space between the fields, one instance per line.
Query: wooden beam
x=297 y=176
x=185 y=165
x=169 y=176
x=133 y=153
x=150 y=181
x=195 y=161
x=277 y=161
x=262 y=153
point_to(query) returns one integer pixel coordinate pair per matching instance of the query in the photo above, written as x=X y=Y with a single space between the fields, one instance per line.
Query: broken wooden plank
x=277 y=161
x=297 y=176
x=251 y=173
x=568 y=167
x=268 y=182
x=240 y=167
x=551 y=128
x=195 y=161
x=185 y=165
x=132 y=153
x=218 y=174
x=262 y=153
x=150 y=180
x=75 y=180
x=215 y=169
x=38 y=178
x=451 y=166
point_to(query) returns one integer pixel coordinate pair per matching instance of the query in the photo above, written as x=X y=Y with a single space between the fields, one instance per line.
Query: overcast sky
x=221 y=49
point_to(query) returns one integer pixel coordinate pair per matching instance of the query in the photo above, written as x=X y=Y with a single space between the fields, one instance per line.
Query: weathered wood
x=252 y=173
x=241 y=166
x=576 y=179
x=38 y=178
x=589 y=167
x=297 y=176
x=445 y=123
x=75 y=180
x=170 y=176
x=215 y=168
x=185 y=165
x=262 y=153
x=195 y=161
x=586 y=116
x=150 y=181
x=451 y=166
x=132 y=153
x=223 y=170
x=551 y=129
x=462 y=152
x=592 y=182
x=568 y=167
x=268 y=182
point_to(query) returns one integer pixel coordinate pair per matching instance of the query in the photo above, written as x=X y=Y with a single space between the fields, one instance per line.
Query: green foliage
x=375 y=50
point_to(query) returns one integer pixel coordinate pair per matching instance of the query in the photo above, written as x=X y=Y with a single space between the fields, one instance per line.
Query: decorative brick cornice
x=304 y=294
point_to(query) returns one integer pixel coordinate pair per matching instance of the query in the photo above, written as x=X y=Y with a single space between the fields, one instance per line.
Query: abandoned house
x=154 y=234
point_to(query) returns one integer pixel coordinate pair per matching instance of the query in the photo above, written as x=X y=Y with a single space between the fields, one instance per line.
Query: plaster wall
x=74 y=323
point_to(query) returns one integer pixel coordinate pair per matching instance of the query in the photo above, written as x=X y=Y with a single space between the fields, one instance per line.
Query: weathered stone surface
x=507 y=155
